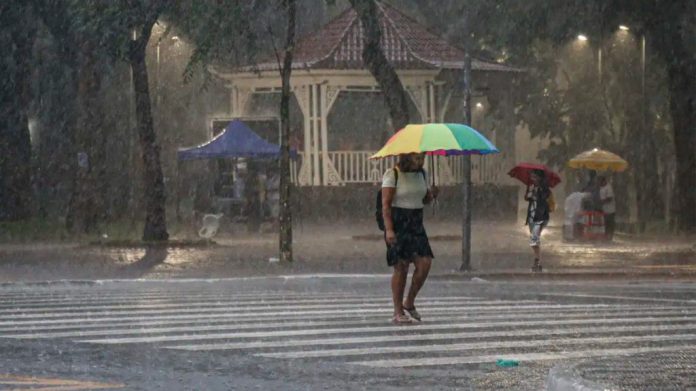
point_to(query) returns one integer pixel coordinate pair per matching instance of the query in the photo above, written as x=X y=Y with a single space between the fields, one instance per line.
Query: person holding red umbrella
x=538 y=195
x=539 y=180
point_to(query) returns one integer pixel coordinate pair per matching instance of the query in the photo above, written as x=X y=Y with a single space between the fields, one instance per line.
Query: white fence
x=357 y=167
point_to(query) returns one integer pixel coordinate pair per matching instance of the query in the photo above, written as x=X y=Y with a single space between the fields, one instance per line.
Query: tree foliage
x=566 y=98
x=376 y=61
x=17 y=37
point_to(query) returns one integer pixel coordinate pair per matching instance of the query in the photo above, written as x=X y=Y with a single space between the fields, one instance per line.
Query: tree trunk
x=60 y=163
x=89 y=191
x=68 y=129
x=672 y=42
x=15 y=140
x=153 y=180
x=682 y=83
x=374 y=58
x=285 y=215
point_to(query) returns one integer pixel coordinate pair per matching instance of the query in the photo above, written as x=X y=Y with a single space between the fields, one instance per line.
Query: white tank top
x=411 y=188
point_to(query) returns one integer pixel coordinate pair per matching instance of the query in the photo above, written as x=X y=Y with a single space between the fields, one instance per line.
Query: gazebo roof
x=406 y=43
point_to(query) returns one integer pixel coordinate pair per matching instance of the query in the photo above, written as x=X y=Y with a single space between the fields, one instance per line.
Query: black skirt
x=411 y=239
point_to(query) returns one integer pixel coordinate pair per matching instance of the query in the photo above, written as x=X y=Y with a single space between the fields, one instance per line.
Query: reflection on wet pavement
x=349 y=247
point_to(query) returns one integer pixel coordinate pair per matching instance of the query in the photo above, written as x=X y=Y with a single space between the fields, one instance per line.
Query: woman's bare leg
x=398 y=285
x=537 y=252
x=422 y=268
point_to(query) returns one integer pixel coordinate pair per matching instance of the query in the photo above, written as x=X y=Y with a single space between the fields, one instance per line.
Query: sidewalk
x=499 y=250
x=650 y=371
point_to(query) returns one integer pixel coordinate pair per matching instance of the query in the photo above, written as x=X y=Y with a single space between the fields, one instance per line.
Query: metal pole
x=466 y=161
x=642 y=81
x=643 y=147
x=599 y=62
x=157 y=86
x=132 y=143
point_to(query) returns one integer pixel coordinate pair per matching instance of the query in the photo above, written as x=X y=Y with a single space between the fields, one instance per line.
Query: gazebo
x=329 y=62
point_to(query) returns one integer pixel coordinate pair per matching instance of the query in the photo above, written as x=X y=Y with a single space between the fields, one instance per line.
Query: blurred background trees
x=71 y=134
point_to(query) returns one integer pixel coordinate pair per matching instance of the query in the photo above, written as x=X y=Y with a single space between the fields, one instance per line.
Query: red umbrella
x=523 y=171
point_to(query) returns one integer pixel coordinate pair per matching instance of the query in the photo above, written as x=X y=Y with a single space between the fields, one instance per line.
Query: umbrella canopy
x=599 y=160
x=523 y=171
x=437 y=139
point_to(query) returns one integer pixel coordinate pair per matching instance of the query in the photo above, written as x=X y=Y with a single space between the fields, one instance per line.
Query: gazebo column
x=239 y=97
x=327 y=97
x=315 y=101
x=309 y=171
x=444 y=170
x=424 y=97
x=314 y=124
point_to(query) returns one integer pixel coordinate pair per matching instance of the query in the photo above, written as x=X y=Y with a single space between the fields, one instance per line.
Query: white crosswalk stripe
x=233 y=305
x=353 y=328
x=193 y=325
x=356 y=330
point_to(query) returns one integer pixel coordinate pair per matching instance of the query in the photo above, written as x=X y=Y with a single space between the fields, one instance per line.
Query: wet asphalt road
x=326 y=333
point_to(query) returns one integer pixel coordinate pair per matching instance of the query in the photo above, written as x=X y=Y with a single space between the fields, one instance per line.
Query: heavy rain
x=348 y=194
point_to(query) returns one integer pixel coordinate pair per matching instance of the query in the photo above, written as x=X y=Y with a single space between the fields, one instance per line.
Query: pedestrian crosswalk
x=349 y=327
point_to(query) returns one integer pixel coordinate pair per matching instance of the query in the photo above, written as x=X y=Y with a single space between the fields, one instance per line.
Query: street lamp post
x=642 y=146
x=642 y=81
x=643 y=130
x=466 y=159
x=583 y=38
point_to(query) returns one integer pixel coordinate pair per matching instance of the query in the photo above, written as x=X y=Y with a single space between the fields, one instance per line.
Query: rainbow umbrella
x=437 y=139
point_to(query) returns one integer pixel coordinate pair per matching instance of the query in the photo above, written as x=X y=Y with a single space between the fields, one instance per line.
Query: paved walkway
x=498 y=249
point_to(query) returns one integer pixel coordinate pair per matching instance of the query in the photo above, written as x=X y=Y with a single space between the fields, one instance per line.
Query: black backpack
x=378 y=202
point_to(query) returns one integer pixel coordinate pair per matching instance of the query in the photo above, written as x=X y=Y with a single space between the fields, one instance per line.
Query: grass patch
x=32 y=230
x=115 y=233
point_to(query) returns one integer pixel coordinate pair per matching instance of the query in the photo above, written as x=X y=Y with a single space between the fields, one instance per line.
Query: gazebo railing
x=357 y=167
x=353 y=167
x=484 y=169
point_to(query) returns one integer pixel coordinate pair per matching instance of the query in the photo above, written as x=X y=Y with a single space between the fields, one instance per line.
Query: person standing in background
x=606 y=195
x=537 y=213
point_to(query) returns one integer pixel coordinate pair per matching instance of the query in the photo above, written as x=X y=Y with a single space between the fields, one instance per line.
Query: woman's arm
x=431 y=195
x=528 y=194
x=387 y=198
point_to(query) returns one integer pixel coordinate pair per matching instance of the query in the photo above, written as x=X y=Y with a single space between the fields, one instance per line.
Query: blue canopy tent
x=236 y=140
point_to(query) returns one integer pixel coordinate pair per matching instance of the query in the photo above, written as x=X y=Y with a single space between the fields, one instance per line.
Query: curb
x=475 y=277
x=567 y=378
x=49 y=283
x=563 y=275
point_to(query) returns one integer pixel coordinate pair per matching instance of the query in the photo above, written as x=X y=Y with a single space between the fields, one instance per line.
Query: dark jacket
x=538 y=209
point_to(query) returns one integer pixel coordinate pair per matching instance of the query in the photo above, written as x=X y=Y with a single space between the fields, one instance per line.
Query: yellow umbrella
x=600 y=160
